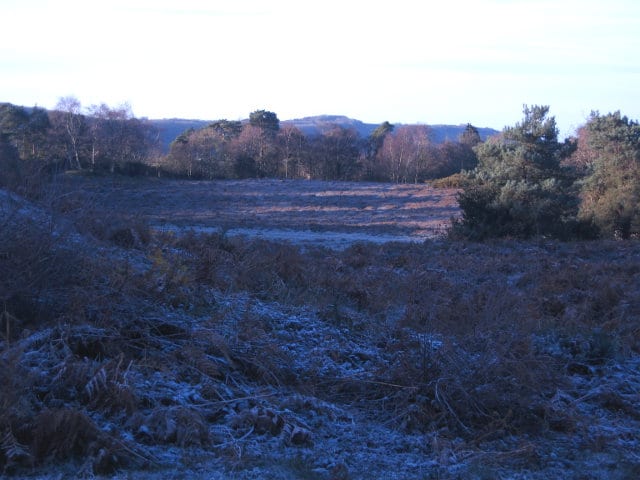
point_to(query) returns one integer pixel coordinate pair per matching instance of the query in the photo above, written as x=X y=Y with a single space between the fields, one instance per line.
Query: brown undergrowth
x=169 y=340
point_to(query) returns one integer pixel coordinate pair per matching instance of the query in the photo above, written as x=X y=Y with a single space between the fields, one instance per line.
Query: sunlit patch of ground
x=295 y=210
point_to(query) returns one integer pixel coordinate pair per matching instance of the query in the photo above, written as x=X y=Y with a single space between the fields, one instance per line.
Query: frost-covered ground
x=233 y=427
x=333 y=214
x=329 y=239
x=147 y=355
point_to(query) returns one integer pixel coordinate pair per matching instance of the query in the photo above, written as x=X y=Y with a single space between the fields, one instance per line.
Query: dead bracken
x=214 y=356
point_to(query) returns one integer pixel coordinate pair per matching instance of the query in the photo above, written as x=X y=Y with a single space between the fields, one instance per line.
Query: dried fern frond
x=174 y=425
x=14 y=452
x=58 y=435
x=62 y=433
x=109 y=387
x=97 y=384
x=296 y=435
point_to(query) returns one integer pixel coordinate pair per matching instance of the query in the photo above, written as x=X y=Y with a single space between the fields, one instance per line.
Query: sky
x=403 y=61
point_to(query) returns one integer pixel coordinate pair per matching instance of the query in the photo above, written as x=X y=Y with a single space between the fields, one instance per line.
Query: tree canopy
x=611 y=190
x=519 y=188
x=265 y=120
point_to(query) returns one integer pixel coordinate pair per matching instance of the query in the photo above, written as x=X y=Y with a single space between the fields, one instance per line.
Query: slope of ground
x=128 y=352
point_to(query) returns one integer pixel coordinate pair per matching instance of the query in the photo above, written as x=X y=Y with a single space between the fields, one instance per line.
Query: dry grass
x=163 y=340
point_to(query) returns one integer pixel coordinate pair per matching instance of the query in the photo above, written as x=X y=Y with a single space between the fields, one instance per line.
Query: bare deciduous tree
x=73 y=122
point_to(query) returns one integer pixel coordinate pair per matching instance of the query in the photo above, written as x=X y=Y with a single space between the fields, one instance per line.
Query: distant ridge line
x=170 y=128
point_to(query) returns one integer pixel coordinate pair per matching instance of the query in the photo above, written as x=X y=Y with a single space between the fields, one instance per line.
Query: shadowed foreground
x=128 y=351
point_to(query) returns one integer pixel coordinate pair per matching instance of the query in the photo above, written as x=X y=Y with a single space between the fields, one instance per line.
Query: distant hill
x=452 y=132
x=321 y=123
x=170 y=128
x=312 y=126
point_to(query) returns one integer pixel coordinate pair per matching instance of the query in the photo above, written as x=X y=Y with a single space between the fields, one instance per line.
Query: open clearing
x=333 y=214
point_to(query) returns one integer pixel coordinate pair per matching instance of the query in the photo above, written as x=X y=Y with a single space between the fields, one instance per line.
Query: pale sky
x=405 y=61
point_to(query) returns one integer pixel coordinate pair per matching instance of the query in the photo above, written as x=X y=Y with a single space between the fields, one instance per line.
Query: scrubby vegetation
x=528 y=184
x=127 y=348
x=610 y=192
x=522 y=183
x=107 y=140
x=124 y=348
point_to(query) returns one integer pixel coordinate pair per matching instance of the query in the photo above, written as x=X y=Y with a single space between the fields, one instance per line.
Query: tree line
x=529 y=184
x=262 y=148
x=100 y=138
x=521 y=183
x=110 y=139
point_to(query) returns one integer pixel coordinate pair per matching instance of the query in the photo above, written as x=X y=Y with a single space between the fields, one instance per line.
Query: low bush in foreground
x=492 y=356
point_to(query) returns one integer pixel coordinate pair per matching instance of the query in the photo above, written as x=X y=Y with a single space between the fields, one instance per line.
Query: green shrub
x=519 y=188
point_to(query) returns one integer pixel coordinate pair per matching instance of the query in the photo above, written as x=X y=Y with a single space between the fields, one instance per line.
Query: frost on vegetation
x=329 y=239
x=442 y=377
